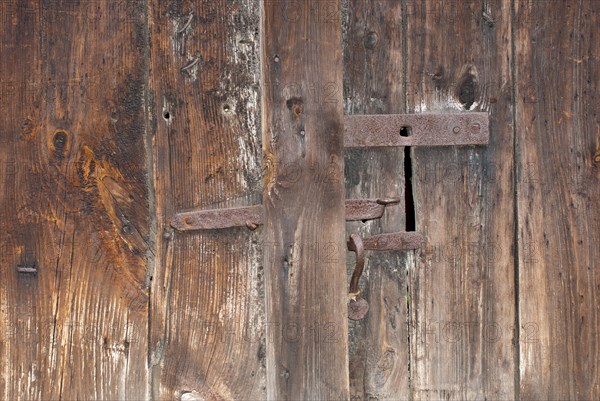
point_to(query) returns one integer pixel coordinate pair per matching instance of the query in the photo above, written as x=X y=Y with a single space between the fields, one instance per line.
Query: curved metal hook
x=355 y=244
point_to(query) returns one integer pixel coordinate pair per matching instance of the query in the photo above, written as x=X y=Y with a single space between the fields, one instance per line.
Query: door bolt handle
x=401 y=241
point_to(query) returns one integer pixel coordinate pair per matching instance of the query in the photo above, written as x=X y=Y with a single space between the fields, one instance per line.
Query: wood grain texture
x=558 y=141
x=302 y=116
x=373 y=71
x=207 y=321
x=462 y=285
x=74 y=201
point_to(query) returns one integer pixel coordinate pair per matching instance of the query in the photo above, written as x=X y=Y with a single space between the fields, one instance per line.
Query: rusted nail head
x=251 y=226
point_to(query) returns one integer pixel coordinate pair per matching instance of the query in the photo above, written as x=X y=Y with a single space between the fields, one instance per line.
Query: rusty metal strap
x=252 y=216
x=400 y=241
x=426 y=129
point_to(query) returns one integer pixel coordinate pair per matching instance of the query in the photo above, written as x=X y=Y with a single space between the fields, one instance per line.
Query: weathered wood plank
x=207 y=321
x=305 y=281
x=557 y=52
x=74 y=201
x=462 y=286
x=373 y=71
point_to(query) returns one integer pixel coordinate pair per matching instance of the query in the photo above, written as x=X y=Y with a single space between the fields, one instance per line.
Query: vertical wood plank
x=462 y=286
x=74 y=201
x=373 y=82
x=558 y=141
x=207 y=320
x=305 y=280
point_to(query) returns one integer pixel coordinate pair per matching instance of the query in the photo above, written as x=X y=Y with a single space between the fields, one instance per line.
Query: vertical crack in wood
x=515 y=180
x=404 y=13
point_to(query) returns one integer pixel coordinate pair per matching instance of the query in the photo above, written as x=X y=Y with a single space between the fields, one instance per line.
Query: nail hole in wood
x=60 y=139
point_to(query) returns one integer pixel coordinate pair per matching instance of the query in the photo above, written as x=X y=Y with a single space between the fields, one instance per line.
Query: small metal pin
x=251 y=225
x=27 y=269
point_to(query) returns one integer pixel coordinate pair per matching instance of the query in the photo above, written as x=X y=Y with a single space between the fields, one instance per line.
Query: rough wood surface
x=557 y=52
x=207 y=321
x=305 y=281
x=373 y=70
x=102 y=100
x=462 y=286
x=73 y=201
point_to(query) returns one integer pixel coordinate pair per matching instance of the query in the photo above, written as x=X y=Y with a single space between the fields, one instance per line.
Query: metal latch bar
x=253 y=216
x=426 y=129
x=400 y=241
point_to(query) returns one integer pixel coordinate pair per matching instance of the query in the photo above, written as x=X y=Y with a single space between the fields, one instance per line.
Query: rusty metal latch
x=400 y=241
x=253 y=216
x=427 y=129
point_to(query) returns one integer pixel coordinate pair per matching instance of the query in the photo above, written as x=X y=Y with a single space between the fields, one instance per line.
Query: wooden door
x=119 y=114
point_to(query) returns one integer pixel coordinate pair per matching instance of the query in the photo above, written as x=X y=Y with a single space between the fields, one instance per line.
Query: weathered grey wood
x=558 y=192
x=73 y=201
x=373 y=70
x=302 y=117
x=462 y=293
x=207 y=321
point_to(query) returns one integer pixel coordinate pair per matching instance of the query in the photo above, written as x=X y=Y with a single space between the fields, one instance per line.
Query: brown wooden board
x=120 y=117
x=461 y=287
x=73 y=201
x=373 y=71
x=305 y=250
x=207 y=321
x=557 y=74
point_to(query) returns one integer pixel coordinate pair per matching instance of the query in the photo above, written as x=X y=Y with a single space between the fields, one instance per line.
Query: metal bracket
x=253 y=216
x=427 y=129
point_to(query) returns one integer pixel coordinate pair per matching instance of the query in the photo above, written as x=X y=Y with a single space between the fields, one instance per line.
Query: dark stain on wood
x=79 y=277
